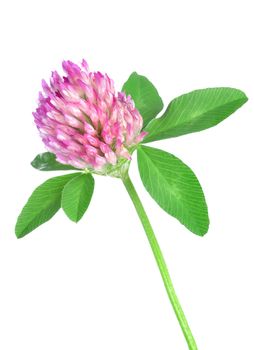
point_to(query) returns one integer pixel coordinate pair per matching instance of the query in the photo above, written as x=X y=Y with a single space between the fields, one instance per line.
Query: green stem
x=160 y=262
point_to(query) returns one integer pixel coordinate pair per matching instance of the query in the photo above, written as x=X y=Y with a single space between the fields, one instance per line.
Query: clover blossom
x=84 y=122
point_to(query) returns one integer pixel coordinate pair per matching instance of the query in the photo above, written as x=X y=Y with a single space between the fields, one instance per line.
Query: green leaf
x=174 y=187
x=145 y=96
x=42 y=205
x=77 y=195
x=47 y=162
x=195 y=111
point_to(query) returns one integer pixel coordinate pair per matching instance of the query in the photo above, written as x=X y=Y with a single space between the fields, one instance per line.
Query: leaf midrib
x=79 y=202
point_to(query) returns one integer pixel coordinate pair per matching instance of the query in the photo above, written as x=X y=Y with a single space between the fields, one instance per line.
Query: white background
x=95 y=285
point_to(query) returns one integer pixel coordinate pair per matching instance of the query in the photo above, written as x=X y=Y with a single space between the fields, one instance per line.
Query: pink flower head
x=84 y=122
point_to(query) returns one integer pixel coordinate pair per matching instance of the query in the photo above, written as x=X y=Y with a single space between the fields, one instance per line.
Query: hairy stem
x=160 y=261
